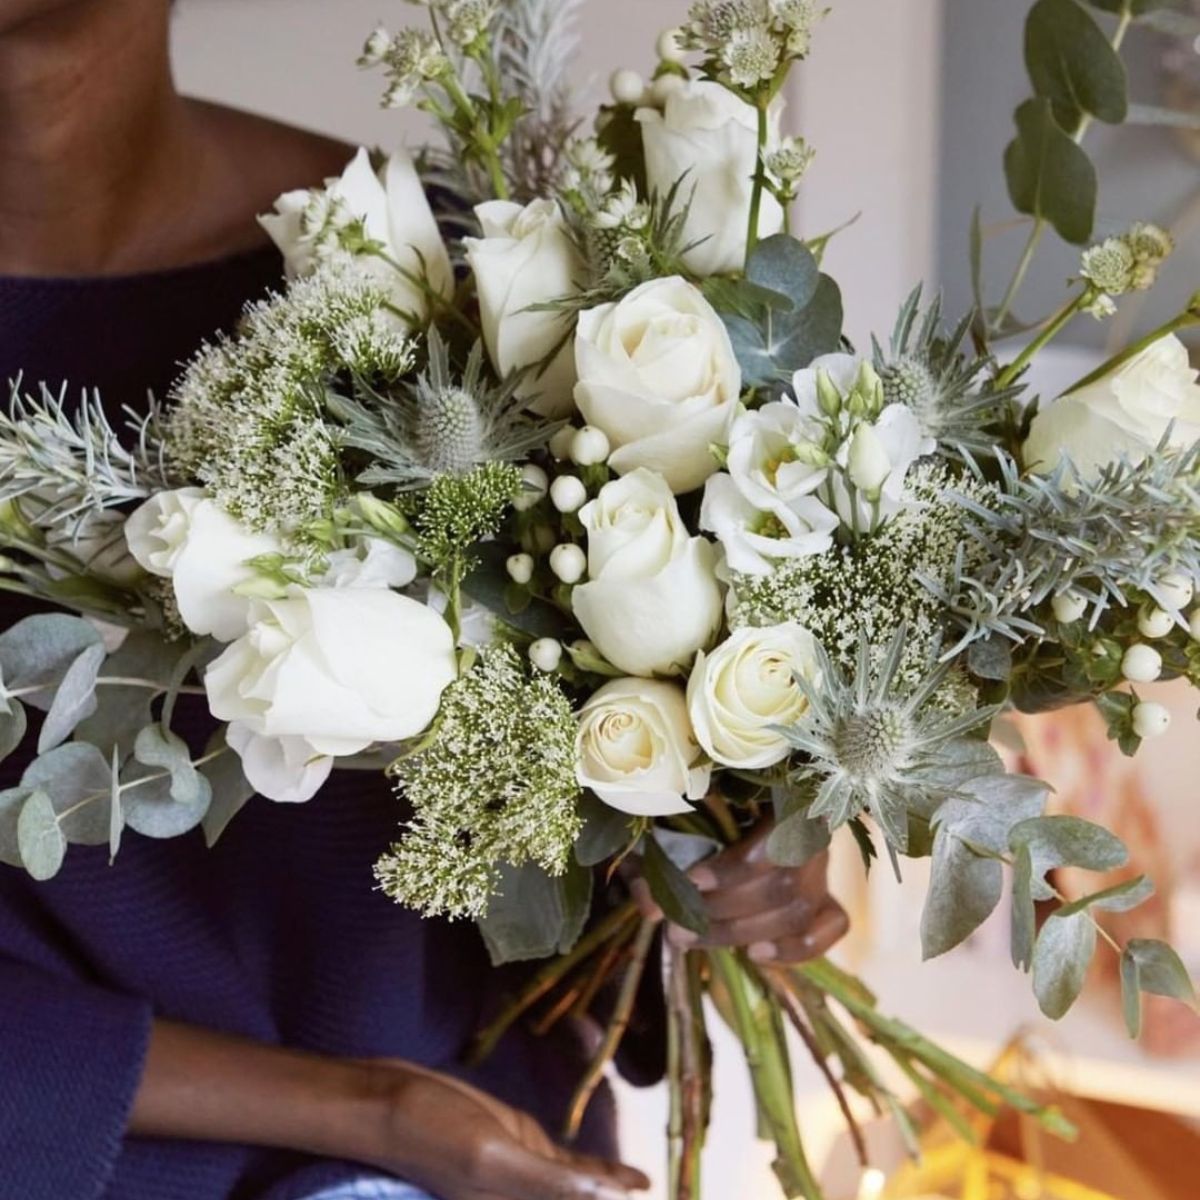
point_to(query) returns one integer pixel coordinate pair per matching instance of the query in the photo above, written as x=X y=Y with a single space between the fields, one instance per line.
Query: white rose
x=339 y=667
x=1125 y=414
x=395 y=212
x=287 y=769
x=746 y=688
x=658 y=375
x=708 y=134
x=636 y=749
x=652 y=598
x=752 y=537
x=185 y=536
x=525 y=257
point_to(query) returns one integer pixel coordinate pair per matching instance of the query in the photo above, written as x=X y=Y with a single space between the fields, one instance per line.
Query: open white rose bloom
x=611 y=550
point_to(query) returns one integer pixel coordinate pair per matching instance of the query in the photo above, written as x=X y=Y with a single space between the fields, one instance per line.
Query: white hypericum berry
x=560 y=443
x=668 y=47
x=1150 y=719
x=1155 y=623
x=590 y=446
x=546 y=654
x=1068 y=607
x=520 y=568
x=627 y=86
x=662 y=88
x=568 y=494
x=1194 y=625
x=568 y=562
x=534 y=485
x=1141 y=664
x=1176 y=591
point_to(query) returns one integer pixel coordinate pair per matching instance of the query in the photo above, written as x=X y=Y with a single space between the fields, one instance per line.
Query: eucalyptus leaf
x=796 y=839
x=1061 y=958
x=784 y=266
x=74 y=700
x=163 y=795
x=116 y=816
x=1161 y=970
x=11 y=800
x=13 y=724
x=990 y=658
x=487 y=584
x=1120 y=897
x=78 y=780
x=1063 y=841
x=673 y=891
x=230 y=789
x=606 y=832
x=1048 y=175
x=38 y=651
x=533 y=915
x=40 y=837
x=1072 y=64
x=1138 y=8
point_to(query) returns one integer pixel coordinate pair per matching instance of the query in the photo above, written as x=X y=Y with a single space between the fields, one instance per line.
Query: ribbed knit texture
x=276 y=934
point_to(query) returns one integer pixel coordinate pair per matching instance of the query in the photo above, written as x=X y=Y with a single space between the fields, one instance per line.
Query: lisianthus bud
x=1068 y=607
x=869 y=465
x=1141 y=663
x=1150 y=720
x=380 y=515
x=828 y=396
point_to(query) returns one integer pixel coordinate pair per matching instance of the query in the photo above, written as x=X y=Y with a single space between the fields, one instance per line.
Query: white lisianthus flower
x=636 y=749
x=394 y=212
x=372 y=563
x=526 y=257
x=185 y=536
x=652 y=598
x=1125 y=414
x=708 y=138
x=752 y=538
x=284 y=769
x=339 y=667
x=657 y=373
x=774 y=456
x=745 y=689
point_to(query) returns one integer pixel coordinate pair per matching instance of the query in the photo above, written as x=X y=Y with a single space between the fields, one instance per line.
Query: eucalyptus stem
x=1190 y=316
x=1052 y=329
x=760 y=175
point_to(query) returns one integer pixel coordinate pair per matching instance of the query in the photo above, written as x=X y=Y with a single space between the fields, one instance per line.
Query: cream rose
x=658 y=375
x=339 y=667
x=1125 y=414
x=394 y=211
x=185 y=536
x=652 y=598
x=636 y=749
x=524 y=258
x=746 y=688
x=708 y=138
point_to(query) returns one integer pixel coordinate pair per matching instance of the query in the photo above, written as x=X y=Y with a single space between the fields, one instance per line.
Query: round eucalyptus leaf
x=40 y=837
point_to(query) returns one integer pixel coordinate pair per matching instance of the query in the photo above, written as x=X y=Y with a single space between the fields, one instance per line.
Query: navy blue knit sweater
x=276 y=934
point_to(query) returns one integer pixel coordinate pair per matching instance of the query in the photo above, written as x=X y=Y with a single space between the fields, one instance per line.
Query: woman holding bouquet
x=251 y=1021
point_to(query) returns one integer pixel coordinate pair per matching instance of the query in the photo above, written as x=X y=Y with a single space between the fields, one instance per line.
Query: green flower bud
x=381 y=516
x=828 y=396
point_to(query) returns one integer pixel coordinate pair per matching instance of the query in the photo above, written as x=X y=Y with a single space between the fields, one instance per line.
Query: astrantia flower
x=493 y=785
x=752 y=56
x=1109 y=266
x=874 y=745
x=467 y=20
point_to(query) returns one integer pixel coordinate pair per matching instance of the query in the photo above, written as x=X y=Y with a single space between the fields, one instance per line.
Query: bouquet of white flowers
x=552 y=486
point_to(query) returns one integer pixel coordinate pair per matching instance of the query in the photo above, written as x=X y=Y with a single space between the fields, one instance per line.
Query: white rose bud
x=535 y=483
x=1141 y=664
x=652 y=599
x=1068 y=607
x=520 y=568
x=627 y=86
x=339 y=667
x=1127 y=413
x=568 y=562
x=636 y=749
x=1155 y=624
x=657 y=373
x=745 y=690
x=708 y=135
x=546 y=654
x=1177 y=591
x=526 y=258
x=589 y=446
x=868 y=466
x=394 y=211
x=568 y=494
x=1150 y=720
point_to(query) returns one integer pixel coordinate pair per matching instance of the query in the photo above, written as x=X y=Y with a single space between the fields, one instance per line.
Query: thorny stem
x=616 y=1028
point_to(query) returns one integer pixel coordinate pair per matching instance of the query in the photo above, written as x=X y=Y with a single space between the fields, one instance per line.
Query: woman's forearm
x=205 y=1086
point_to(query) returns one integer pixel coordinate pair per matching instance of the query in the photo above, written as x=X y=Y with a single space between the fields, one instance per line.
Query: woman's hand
x=781 y=915
x=463 y=1144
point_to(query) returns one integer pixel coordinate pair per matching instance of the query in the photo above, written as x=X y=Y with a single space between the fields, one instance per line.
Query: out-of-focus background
x=908 y=104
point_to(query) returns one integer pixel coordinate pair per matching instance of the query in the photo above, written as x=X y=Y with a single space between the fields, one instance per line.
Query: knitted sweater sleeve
x=71 y=1060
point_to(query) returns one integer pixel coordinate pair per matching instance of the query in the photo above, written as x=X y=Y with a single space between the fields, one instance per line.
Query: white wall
x=867 y=100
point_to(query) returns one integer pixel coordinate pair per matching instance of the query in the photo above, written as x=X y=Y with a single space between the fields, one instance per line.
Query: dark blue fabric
x=276 y=934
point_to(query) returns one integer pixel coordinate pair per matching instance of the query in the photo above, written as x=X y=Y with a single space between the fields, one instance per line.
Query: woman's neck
x=97 y=149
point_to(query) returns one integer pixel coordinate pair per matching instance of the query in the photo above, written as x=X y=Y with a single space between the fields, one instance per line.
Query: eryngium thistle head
x=450 y=434
x=875 y=746
x=909 y=381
